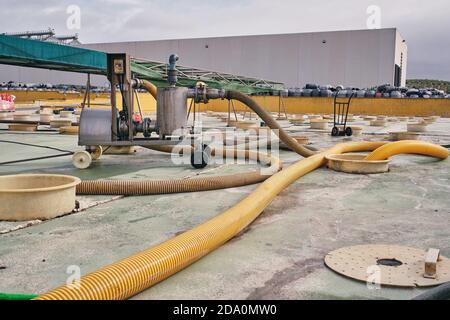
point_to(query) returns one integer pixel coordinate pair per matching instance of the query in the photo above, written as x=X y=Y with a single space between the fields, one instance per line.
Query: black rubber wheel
x=200 y=158
x=335 y=132
x=349 y=132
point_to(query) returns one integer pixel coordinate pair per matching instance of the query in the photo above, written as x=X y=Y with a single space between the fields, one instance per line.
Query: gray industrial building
x=360 y=58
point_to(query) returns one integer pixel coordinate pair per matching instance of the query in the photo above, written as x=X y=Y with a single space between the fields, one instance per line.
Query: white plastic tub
x=39 y=196
x=417 y=127
x=319 y=124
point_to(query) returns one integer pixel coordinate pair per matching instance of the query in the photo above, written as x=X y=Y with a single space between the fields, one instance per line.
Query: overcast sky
x=424 y=24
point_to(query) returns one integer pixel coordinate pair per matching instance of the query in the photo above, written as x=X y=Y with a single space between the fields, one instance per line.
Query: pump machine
x=118 y=127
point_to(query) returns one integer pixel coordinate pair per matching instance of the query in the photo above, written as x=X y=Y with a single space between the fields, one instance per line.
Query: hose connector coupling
x=172 y=76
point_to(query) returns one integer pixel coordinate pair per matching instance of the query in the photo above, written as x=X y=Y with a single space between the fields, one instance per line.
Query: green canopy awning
x=47 y=55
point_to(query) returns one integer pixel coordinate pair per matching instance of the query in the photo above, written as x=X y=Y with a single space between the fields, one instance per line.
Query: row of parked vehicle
x=383 y=91
x=18 y=86
x=310 y=90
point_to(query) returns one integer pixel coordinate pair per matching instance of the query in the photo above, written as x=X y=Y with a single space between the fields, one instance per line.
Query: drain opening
x=389 y=262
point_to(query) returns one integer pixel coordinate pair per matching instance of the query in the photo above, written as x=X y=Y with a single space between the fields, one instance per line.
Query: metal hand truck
x=341 y=109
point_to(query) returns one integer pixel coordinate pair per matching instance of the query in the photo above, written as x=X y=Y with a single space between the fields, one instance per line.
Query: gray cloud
x=425 y=25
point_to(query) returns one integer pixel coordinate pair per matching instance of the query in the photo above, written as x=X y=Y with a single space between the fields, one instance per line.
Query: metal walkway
x=47 y=55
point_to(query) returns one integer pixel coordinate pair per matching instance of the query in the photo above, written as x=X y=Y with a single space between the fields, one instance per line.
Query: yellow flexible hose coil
x=150 y=87
x=148 y=187
x=411 y=147
x=130 y=276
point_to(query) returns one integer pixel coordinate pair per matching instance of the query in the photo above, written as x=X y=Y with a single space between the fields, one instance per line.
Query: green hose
x=13 y=296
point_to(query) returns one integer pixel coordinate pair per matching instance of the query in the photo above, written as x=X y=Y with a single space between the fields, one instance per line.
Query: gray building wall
x=362 y=58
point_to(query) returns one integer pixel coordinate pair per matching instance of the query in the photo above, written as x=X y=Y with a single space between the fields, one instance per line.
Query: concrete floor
x=280 y=256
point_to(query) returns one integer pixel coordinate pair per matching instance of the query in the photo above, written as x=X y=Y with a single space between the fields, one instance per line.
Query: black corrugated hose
x=439 y=293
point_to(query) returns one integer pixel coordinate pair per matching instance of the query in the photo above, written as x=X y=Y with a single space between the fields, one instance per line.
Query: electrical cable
x=36 y=159
x=65 y=153
x=34 y=145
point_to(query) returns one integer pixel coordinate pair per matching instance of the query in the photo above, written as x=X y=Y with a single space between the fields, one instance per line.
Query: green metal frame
x=156 y=72
x=47 y=55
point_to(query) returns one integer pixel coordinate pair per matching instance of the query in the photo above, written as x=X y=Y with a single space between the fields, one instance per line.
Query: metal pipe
x=172 y=73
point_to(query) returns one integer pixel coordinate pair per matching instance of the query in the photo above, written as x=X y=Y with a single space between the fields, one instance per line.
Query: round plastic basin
x=65 y=114
x=58 y=123
x=46 y=117
x=19 y=116
x=417 y=127
x=355 y=163
x=69 y=130
x=22 y=127
x=319 y=124
x=400 y=136
x=378 y=123
x=38 y=196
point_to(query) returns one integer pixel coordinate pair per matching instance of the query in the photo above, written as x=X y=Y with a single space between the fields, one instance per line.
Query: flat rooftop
x=280 y=256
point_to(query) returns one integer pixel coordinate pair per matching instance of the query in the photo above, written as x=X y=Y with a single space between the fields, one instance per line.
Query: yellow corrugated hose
x=135 y=274
x=130 y=276
x=148 y=187
x=151 y=88
x=411 y=147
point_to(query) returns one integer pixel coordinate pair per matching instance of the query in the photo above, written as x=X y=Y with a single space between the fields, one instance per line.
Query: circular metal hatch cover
x=387 y=265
